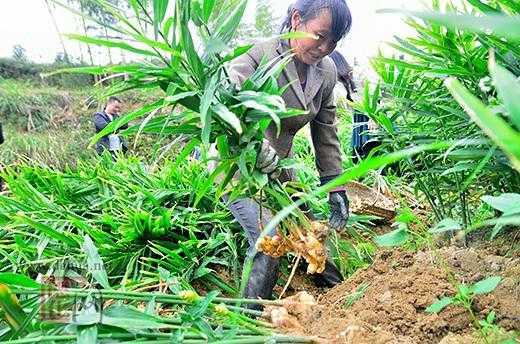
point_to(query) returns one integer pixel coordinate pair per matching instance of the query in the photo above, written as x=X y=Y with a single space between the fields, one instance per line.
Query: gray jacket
x=317 y=99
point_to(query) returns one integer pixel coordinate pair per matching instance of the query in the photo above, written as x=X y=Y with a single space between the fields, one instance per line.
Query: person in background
x=362 y=141
x=114 y=143
x=1 y=141
x=345 y=73
x=310 y=78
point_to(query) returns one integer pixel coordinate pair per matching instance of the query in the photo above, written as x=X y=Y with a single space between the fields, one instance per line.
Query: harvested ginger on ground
x=310 y=245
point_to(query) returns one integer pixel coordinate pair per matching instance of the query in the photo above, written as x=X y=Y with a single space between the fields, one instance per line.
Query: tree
x=104 y=20
x=266 y=24
x=51 y=13
x=19 y=53
x=93 y=9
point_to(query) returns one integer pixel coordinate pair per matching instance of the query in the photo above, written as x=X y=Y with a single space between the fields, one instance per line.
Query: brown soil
x=402 y=285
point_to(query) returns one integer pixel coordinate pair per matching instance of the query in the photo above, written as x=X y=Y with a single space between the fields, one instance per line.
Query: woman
x=312 y=77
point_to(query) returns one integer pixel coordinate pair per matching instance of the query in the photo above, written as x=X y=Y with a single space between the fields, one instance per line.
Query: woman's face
x=312 y=50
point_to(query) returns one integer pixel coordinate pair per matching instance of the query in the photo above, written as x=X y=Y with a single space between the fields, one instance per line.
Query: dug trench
x=386 y=302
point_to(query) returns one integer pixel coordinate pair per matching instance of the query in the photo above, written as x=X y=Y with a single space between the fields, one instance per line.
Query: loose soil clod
x=401 y=285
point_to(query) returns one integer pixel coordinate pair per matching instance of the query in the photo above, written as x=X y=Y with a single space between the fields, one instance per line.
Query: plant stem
x=191 y=338
x=162 y=298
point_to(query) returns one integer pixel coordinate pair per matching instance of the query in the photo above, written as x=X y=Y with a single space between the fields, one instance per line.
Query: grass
x=57 y=148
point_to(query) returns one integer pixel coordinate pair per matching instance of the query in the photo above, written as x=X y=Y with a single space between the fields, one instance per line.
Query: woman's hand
x=339 y=209
x=267 y=160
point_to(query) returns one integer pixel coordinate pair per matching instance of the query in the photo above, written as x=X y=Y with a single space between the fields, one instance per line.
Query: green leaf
x=483 y=7
x=110 y=44
x=238 y=51
x=508 y=87
x=439 y=305
x=176 y=97
x=446 y=225
x=228 y=117
x=500 y=25
x=508 y=203
x=12 y=311
x=122 y=316
x=17 y=280
x=296 y=35
x=196 y=13
x=495 y=127
x=195 y=63
x=227 y=30
x=205 y=103
x=394 y=238
x=486 y=286
x=49 y=231
x=159 y=11
x=207 y=8
x=95 y=264
x=353 y=173
x=87 y=334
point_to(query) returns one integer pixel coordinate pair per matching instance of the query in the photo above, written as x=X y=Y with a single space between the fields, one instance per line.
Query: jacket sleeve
x=324 y=132
x=99 y=122
x=123 y=127
x=243 y=66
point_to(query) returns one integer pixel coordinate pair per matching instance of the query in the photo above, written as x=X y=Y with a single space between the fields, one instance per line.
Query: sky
x=28 y=23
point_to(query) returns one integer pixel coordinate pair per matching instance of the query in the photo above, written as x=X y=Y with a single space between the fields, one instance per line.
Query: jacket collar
x=315 y=77
x=107 y=116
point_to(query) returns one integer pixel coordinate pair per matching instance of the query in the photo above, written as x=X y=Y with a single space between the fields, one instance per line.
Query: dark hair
x=310 y=9
x=341 y=64
x=113 y=100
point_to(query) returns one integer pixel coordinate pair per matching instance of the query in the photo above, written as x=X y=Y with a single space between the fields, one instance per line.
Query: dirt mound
x=386 y=303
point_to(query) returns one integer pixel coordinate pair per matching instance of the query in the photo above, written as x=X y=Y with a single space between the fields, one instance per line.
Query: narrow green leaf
x=500 y=25
x=188 y=47
x=110 y=44
x=205 y=114
x=114 y=125
x=208 y=9
x=87 y=334
x=49 y=231
x=159 y=11
x=17 y=280
x=12 y=311
x=483 y=7
x=227 y=30
x=508 y=87
x=238 y=51
x=95 y=264
x=176 y=97
x=495 y=127
x=228 y=117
